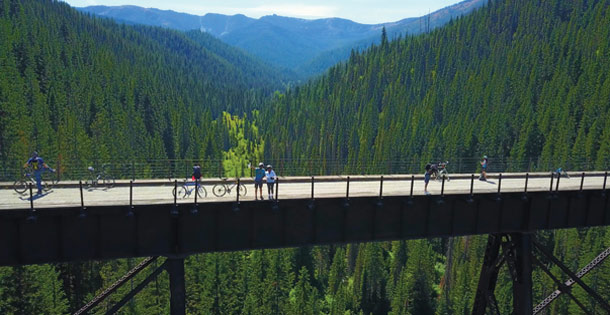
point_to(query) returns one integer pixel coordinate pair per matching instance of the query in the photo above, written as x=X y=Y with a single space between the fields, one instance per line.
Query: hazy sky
x=362 y=11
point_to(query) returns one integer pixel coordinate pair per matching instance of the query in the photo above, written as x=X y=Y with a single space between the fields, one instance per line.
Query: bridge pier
x=175 y=269
x=522 y=283
x=515 y=250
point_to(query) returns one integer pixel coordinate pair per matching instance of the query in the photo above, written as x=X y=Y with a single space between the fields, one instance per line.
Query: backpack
x=197 y=171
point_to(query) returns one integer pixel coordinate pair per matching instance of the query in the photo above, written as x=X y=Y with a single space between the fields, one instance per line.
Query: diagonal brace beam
x=130 y=274
x=584 y=271
x=136 y=290
x=562 y=287
x=574 y=277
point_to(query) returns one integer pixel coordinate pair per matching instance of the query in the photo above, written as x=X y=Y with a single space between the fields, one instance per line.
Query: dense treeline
x=517 y=79
x=414 y=277
x=79 y=89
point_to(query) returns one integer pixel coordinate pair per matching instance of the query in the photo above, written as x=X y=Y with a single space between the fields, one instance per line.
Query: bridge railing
x=182 y=168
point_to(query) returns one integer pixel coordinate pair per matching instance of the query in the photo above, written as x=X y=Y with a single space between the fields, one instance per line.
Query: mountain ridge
x=286 y=42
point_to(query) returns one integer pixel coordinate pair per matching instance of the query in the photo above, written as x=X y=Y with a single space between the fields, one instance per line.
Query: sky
x=361 y=11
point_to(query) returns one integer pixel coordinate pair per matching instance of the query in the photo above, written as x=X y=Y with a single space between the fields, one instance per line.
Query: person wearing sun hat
x=271 y=177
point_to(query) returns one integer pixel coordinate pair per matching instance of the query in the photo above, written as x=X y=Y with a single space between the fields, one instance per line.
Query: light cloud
x=295 y=10
x=361 y=11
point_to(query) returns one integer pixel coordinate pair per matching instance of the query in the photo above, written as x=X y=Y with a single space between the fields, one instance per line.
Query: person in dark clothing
x=259 y=174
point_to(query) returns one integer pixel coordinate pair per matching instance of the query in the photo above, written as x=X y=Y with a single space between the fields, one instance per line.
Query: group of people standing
x=431 y=168
x=267 y=175
x=261 y=174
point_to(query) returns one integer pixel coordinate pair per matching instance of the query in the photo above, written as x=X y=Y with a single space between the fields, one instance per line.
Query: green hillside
x=517 y=79
x=80 y=89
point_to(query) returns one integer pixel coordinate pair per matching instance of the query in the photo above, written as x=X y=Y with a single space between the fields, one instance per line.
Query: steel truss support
x=516 y=252
x=603 y=303
x=136 y=290
x=566 y=286
x=175 y=269
x=130 y=274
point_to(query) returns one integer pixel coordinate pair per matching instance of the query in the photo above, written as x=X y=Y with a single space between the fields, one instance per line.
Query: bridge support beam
x=175 y=269
x=522 y=283
x=516 y=251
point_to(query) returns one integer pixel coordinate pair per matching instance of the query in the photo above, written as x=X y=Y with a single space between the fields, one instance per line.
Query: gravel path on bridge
x=162 y=194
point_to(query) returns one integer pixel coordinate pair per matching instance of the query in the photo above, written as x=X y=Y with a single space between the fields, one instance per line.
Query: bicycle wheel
x=45 y=186
x=20 y=186
x=48 y=183
x=91 y=182
x=242 y=190
x=219 y=190
x=201 y=192
x=182 y=192
x=108 y=181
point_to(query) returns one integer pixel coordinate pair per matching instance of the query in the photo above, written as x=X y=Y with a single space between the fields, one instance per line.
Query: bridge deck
x=150 y=192
x=61 y=231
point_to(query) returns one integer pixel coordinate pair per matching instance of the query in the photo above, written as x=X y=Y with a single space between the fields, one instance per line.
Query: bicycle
x=440 y=171
x=184 y=191
x=21 y=185
x=561 y=172
x=95 y=178
x=223 y=188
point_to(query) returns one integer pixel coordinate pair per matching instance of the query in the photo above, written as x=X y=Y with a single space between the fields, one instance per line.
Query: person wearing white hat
x=271 y=177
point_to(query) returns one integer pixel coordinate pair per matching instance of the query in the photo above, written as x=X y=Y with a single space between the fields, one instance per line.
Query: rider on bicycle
x=196 y=176
x=38 y=165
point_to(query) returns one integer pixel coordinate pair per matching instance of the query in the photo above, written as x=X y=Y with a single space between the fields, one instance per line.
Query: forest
x=517 y=79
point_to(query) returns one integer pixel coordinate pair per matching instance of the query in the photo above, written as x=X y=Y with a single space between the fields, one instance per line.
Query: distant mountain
x=306 y=46
x=412 y=26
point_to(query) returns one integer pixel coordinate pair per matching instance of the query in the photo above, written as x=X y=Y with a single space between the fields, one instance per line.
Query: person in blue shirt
x=271 y=177
x=484 y=164
x=38 y=166
x=259 y=174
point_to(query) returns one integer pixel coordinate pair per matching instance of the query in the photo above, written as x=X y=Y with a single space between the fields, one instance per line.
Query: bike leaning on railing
x=223 y=188
x=440 y=171
x=27 y=177
x=99 y=178
x=187 y=188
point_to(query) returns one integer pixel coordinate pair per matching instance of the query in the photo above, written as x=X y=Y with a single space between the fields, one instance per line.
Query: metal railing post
x=82 y=201
x=131 y=207
x=312 y=188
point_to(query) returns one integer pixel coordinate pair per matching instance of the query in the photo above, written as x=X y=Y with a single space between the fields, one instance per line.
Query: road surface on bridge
x=160 y=192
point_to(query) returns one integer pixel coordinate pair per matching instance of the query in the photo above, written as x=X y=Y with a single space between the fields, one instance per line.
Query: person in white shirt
x=270 y=177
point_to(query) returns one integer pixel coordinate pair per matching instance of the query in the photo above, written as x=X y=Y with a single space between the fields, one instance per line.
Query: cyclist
x=196 y=176
x=561 y=172
x=271 y=177
x=484 y=164
x=38 y=165
x=258 y=180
